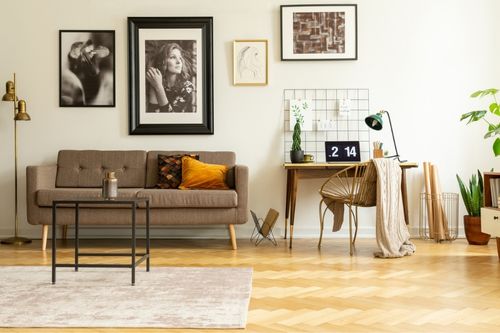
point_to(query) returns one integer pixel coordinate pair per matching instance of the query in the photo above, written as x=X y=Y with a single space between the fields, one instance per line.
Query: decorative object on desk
x=20 y=114
x=377 y=149
x=110 y=186
x=296 y=154
x=264 y=230
x=250 y=62
x=188 y=105
x=319 y=32
x=86 y=68
x=473 y=201
x=342 y=151
x=375 y=122
x=494 y=108
x=308 y=158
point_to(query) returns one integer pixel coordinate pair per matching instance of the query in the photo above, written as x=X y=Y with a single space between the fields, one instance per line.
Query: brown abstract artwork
x=319 y=32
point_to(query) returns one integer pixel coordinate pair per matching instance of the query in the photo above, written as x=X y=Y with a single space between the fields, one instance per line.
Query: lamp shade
x=9 y=92
x=21 y=111
x=374 y=121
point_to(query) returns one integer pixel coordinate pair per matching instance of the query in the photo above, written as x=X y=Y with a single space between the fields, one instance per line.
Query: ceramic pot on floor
x=472 y=226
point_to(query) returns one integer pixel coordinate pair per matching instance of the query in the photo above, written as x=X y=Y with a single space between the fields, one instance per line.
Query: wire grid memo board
x=325 y=108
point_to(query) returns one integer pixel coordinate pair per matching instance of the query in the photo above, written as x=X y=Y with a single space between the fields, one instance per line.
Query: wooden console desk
x=295 y=171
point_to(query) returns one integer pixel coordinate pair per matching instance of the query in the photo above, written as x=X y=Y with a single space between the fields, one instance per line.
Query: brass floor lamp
x=20 y=114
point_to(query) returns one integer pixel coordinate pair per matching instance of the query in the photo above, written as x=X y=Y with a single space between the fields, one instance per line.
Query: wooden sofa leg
x=45 y=233
x=232 y=234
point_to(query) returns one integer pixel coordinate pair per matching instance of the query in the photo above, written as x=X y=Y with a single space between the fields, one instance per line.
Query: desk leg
x=288 y=193
x=404 y=194
x=293 y=197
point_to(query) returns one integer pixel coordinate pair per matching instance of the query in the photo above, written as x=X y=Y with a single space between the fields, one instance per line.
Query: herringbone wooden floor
x=450 y=287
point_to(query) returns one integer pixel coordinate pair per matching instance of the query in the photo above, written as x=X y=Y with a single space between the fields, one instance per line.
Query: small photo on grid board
x=304 y=108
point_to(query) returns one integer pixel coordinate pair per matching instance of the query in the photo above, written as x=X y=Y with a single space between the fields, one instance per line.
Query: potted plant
x=297 y=154
x=473 y=201
x=494 y=109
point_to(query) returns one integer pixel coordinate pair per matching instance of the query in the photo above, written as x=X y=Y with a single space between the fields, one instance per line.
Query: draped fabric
x=393 y=238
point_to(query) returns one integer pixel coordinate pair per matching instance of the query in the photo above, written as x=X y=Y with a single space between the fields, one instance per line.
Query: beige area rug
x=166 y=297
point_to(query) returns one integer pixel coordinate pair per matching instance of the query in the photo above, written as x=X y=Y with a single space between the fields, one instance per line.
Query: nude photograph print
x=250 y=62
x=86 y=68
x=170 y=75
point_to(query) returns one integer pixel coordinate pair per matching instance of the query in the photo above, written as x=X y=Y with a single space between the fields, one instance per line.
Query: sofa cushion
x=45 y=197
x=86 y=168
x=160 y=198
x=215 y=157
x=170 y=170
x=199 y=175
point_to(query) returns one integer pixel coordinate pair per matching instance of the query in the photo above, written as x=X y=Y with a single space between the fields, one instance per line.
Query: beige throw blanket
x=393 y=238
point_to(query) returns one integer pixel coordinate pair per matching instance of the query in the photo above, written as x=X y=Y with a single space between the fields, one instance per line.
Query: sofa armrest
x=241 y=186
x=38 y=177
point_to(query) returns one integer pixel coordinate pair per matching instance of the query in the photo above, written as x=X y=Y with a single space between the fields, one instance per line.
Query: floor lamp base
x=16 y=241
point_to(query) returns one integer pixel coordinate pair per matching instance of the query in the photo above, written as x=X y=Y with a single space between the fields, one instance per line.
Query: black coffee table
x=133 y=203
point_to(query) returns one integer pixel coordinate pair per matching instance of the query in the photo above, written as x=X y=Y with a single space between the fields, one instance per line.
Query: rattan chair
x=354 y=186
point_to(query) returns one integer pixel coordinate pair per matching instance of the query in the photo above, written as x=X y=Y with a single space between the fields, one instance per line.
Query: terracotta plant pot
x=472 y=225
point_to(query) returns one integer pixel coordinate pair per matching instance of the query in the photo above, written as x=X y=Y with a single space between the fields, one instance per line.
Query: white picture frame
x=250 y=64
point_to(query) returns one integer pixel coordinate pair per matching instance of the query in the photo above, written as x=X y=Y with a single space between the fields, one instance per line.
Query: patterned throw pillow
x=170 y=170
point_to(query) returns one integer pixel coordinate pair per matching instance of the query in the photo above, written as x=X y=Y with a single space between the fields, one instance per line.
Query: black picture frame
x=334 y=36
x=87 y=68
x=194 y=113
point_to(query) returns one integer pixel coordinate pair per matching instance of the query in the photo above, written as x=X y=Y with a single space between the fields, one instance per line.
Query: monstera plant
x=489 y=116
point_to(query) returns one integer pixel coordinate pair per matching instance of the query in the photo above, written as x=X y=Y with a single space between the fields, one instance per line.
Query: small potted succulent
x=297 y=154
x=473 y=200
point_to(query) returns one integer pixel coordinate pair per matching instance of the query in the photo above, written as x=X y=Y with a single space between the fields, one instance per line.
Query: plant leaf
x=476 y=93
x=496 y=147
x=473 y=115
x=492 y=130
x=480 y=182
x=495 y=109
x=465 y=195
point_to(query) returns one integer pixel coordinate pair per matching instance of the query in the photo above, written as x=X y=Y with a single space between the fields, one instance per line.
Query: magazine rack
x=264 y=230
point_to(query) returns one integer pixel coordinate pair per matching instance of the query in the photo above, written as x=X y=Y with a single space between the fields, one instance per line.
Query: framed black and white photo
x=86 y=68
x=319 y=32
x=170 y=75
x=250 y=62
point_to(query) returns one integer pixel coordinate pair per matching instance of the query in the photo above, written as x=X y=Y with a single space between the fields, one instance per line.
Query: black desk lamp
x=375 y=122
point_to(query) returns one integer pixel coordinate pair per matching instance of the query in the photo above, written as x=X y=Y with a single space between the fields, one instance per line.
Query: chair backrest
x=366 y=183
x=355 y=185
x=269 y=221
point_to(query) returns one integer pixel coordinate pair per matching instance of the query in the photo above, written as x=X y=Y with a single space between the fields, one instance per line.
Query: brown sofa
x=79 y=173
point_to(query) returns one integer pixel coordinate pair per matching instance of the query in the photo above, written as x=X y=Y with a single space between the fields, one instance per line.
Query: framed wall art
x=319 y=32
x=86 y=68
x=250 y=62
x=170 y=75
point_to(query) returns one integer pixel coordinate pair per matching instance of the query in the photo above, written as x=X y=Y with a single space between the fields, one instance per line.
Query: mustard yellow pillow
x=199 y=175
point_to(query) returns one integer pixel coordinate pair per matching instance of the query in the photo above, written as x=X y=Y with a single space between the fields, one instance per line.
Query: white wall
x=420 y=60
